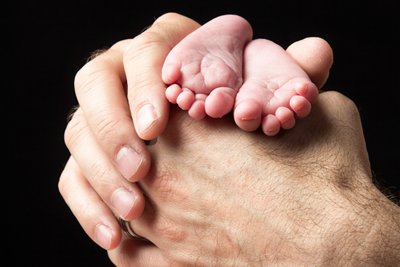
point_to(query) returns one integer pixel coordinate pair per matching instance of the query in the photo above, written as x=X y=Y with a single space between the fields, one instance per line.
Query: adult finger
x=100 y=91
x=143 y=60
x=92 y=213
x=124 y=197
x=315 y=56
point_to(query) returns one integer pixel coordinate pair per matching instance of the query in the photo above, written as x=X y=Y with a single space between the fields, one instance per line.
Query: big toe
x=247 y=115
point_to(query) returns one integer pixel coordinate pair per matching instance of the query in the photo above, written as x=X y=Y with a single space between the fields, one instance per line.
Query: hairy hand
x=221 y=197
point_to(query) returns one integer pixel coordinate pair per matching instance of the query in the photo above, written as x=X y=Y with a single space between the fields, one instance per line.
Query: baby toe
x=270 y=125
x=185 y=99
x=300 y=105
x=247 y=115
x=285 y=117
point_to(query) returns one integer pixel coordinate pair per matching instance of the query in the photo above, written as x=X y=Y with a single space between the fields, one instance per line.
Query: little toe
x=271 y=125
x=172 y=92
x=286 y=117
x=306 y=89
x=300 y=105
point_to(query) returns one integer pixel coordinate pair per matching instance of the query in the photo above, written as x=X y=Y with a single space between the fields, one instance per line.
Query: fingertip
x=107 y=237
x=137 y=207
x=150 y=120
x=143 y=62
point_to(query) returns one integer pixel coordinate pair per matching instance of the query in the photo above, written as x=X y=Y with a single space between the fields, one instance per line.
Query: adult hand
x=122 y=103
x=219 y=196
x=107 y=148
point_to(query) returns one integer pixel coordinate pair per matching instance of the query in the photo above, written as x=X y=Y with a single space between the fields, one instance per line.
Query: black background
x=50 y=41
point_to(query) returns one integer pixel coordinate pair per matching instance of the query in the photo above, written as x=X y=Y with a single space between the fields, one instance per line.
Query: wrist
x=382 y=245
x=321 y=226
x=369 y=235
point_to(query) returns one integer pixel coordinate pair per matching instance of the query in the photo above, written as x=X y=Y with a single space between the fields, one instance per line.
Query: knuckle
x=63 y=184
x=350 y=105
x=75 y=131
x=165 y=183
x=67 y=187
x=143 y=45
x=169 y=230
x=344 y=105
x=89 y=76
x=141 y=51
x=169 y=16
x=101 y=175
x=110 y=127
x=138 y=91
x=95 y=71
x=150 y=39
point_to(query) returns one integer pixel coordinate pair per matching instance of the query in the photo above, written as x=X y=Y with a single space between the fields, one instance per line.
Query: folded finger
x=92 y=213
x=143 y=60
x=123 y=196
x=100 y=90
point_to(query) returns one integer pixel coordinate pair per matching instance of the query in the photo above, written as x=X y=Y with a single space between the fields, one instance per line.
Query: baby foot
x=204 y=70
x=275 y=89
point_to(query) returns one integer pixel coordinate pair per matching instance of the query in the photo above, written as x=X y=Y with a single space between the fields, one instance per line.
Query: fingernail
x=128 y=161
x=123 y=200
x=146 y=117
x=103 y=235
